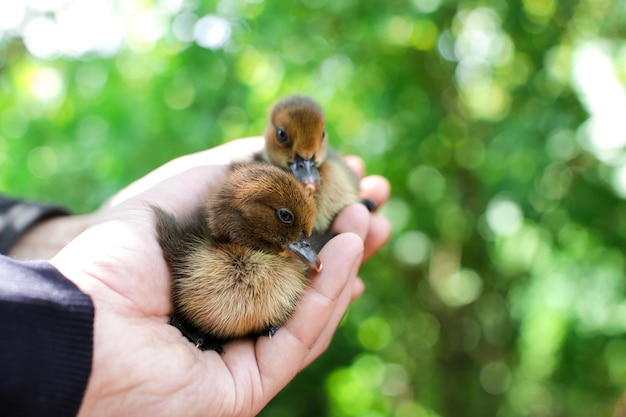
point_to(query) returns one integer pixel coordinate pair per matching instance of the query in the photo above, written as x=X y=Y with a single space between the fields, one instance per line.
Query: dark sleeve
x=16 y=216
x=46 y=340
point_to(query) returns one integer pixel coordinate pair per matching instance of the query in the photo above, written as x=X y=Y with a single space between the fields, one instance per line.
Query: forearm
x=47 y=328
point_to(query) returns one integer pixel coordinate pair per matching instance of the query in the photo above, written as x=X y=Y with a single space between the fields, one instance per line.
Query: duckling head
x=295 y=138
x=262 y=207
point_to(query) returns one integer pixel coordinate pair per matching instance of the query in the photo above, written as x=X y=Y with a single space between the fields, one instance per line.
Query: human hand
x=142 y=365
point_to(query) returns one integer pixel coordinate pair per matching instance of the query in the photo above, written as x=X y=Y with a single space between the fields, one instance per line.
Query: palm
x=133 y=299
x=144 y=366
x=136 y=304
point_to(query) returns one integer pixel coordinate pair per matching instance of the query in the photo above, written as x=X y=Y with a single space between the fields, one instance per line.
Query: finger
x=356 y=164
x=339 y=305
x=354 y=218
x=350 y=293
x=375 y=230
x=377 y=188
x=236 y=150
x=325 y=338
x=281 y=357
x=377 y=235
x=358 y=287
x=243 y=392
x=185 y=192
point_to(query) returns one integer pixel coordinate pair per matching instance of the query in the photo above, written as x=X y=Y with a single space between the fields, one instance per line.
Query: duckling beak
x=306 y=172
x=301 y=249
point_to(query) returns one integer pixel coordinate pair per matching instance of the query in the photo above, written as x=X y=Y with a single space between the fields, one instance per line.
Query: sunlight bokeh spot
x=619 y=181
x=459 y=288
x=480 y=46
x=425 y=330
x=263 y=72
x=398 y=30
x=445 y=45
x=172 y=6
x=347 y=393
x=183 y=26
x=395 y=381
x=539 y=11
x=212 y=32
x=426 y=183
x=480 y=37
x=373 y=138
x=523 y=250
x=412 y=248
x=398 y=212
x=495 y=378
x=562 y=144
x=44 y=6
x=76 y=28
x=12 y=14
x=504 y=216
x=146 y=28
x=42 y=37
x=368 y=370
x=559 y=63
x=425 y=33
x=374 y=333
x=427 y=6
x=413 y=409
x=604 y=96
x=542 y=334
x=337 y=71
x=487 y=100
x=47 y=84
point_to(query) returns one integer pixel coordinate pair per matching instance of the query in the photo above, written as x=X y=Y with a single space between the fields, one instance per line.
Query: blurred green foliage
x=500 y=124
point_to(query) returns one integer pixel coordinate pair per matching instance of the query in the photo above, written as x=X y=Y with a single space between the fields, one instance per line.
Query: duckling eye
x=285 y=215
x=282 y=136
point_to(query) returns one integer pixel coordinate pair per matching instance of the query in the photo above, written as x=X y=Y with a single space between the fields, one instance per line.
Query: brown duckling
x=296 y=140
x=240 y=265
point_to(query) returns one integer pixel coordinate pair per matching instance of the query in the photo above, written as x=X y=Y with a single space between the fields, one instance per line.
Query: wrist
x=44 y=239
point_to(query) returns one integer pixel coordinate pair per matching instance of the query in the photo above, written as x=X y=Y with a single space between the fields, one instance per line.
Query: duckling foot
x=212 y=344
x=202 y=342
x=272 y=331
x=369 y=204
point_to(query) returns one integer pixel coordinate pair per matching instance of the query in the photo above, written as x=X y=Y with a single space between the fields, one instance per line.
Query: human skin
x=142 y=365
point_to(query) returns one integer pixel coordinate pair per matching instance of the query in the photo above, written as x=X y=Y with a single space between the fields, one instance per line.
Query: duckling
x=296 y=141
x=241 y=263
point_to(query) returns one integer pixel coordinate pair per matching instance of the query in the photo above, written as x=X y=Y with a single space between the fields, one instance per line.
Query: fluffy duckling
x=241 y=264
x=296 y=140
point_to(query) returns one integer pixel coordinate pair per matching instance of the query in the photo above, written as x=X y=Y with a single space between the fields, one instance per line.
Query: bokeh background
x=500 y=124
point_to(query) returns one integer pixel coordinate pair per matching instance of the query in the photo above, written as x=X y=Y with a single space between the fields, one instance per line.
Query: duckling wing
x=177 y=237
